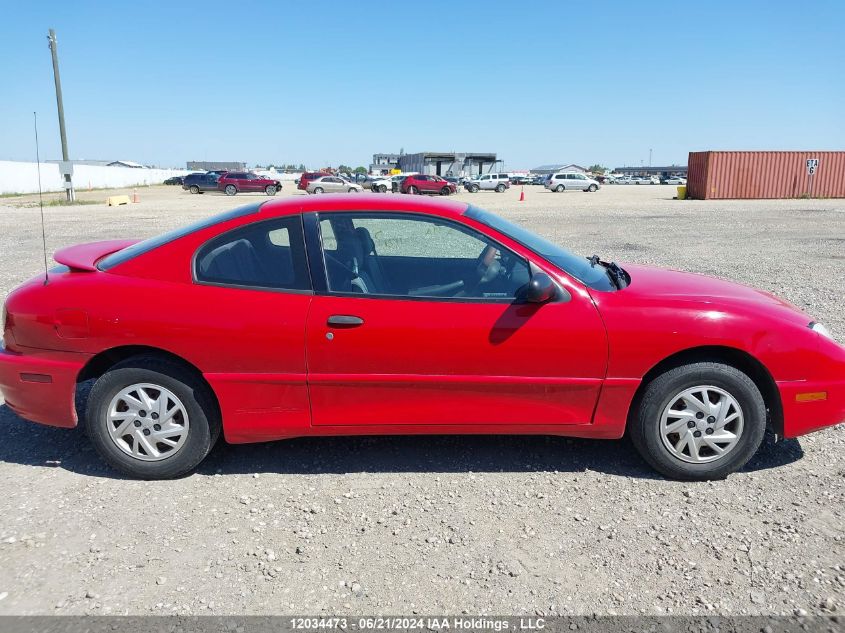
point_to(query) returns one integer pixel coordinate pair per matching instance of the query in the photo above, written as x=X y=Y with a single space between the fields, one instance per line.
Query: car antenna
x=41 y=201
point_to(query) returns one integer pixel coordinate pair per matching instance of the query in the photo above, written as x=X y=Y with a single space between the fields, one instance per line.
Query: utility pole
x=66 y=167
x=649 y=158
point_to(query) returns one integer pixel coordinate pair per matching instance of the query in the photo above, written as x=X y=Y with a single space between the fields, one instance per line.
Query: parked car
x=333 y=184
x=520 y=180
x=174 y=180
x=489 y=182
x=200 y=183
x=234 y=182
x=424 y=183
x=538 y=180
x=265 y=336
x=675 y=180
x=308 y=176
x=571 y=182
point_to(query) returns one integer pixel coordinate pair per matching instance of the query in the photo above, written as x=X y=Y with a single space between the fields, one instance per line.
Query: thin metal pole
x=60 y=105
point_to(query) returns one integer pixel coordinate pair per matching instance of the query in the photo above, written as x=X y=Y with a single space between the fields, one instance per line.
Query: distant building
x=209 y=165
x=383 y=163
x=448 y=163
x=125 y=163
x=663 y=172
x=554 y=169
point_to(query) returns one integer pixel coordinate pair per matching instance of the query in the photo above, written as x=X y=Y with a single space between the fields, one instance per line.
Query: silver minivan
x=571 y=182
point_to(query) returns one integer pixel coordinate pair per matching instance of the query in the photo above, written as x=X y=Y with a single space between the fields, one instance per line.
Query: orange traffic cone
x=522 y=195
x=134 y=195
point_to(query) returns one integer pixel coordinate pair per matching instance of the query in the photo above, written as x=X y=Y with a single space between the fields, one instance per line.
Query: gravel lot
x=443 y=524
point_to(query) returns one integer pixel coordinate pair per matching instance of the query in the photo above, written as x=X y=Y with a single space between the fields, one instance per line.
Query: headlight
x=819 y=328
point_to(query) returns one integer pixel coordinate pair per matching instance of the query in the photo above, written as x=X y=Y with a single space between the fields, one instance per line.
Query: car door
x=410 y=329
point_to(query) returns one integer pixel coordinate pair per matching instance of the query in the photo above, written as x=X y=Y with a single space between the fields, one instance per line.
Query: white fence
x=21 y=177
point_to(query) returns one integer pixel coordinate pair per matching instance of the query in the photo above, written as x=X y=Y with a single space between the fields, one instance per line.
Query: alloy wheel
x=147 y=422
x=701 y=424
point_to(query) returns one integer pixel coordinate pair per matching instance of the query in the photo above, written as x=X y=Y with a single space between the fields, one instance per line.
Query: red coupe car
x=381 y=315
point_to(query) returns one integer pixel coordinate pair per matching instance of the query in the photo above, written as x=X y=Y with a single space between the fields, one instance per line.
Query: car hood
x=665 y=285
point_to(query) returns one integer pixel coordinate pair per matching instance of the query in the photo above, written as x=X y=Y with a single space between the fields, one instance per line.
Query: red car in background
x=422 y=183
x=234 y=182
x=308 y=176
x=380 y=315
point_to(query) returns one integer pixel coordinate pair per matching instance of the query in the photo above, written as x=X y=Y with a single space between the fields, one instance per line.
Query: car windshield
x=115 y=259
x=594 y=276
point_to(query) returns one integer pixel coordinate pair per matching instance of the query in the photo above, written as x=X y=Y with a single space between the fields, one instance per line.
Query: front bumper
x=40 y=389
x=811 y=405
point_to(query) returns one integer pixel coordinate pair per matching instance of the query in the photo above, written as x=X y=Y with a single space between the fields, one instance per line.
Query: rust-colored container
x=721 y=175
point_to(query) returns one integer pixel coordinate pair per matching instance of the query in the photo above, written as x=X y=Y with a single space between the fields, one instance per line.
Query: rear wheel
x=270 y=190
x=231 y=190
x=318 y=190
x=560 y=188
x=194 y=189
x=700 y=421
x=151 y=418
x=382 y=188
x=500 y=188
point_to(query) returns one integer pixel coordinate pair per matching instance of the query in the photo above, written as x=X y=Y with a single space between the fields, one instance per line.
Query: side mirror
x=540 y=289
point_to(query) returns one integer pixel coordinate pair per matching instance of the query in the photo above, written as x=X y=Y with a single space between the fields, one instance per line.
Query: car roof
x=362 y=202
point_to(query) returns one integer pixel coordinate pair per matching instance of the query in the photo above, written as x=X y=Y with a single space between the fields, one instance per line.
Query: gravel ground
x=443 y=524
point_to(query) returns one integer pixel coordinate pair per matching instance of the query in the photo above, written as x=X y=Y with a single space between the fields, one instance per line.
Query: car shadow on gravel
x=23 y=442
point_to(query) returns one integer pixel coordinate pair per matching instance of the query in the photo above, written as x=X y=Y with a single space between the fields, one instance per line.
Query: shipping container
x=724 y=175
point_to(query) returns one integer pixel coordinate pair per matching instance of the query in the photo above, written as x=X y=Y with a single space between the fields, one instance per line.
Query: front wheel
x=592 y=188
x=270 y=190
x=473 y=189
x=700 y=421
x=231 y=190
x=382 y=188
x=413 y=190
x=318 y=190
x=352 y=190
x=151 y=418
x=445 y=191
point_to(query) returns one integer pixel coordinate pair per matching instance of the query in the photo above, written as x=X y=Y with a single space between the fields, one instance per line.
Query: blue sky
x=333 y=82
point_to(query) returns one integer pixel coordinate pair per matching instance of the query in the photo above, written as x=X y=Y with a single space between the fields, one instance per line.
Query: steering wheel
x=487 y=266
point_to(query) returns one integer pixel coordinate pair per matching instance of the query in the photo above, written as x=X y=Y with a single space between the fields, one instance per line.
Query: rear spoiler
x=84 y=257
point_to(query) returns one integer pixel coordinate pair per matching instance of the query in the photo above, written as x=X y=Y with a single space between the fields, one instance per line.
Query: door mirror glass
x=540 y=289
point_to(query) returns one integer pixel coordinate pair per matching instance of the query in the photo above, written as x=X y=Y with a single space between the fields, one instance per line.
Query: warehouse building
x=210 y=165
x=449 y=163
x=384 y=163
x=544 y=170
x=663 y=172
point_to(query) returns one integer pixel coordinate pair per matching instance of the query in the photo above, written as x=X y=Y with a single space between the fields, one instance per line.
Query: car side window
x=268 y=254
x=406 y=255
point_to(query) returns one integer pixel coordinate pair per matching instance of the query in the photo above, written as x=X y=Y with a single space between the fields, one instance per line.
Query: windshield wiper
x=613 y=270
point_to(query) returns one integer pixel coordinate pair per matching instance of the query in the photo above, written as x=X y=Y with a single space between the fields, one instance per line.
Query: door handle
x=344 y=320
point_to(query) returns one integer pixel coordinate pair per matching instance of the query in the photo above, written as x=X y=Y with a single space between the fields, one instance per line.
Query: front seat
x=371 y=262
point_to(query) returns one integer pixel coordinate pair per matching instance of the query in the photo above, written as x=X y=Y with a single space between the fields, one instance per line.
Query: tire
x=445 y=191
x=500 y=188
x=592 y=188
x=318 y=190
x=664 y=394
x=413 y=190
x=230 y=190
x=382 y=188
x=198 y=415
x=194 y=189
x=270 y=190
x=352 y=190
x=560 y=188
x=473 y=189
